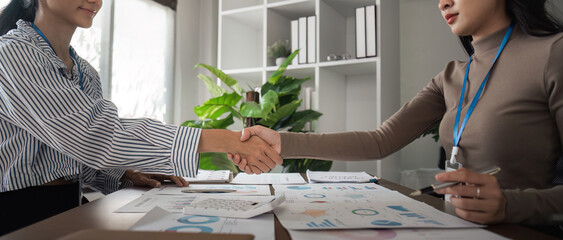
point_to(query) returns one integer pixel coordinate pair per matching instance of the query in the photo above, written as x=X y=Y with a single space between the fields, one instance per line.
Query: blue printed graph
x=324 y=224
x=190 y=229
x=432 y=222
x=413 y=215
x=197 y=219
x=399 y=208
x=385 y=223
x=354 y=196
x=314 y=195
x=299 y=187
x=365 y=212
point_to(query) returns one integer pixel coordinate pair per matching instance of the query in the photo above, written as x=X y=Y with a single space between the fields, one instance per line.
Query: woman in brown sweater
x=517 y=123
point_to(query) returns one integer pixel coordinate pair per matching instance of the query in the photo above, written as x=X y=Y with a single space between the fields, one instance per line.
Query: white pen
x=490 y=170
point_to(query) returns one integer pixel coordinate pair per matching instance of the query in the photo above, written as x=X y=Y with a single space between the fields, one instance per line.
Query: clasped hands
x=256 y=136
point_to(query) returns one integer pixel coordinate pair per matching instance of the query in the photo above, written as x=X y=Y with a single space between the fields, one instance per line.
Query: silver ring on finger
x=478 y=192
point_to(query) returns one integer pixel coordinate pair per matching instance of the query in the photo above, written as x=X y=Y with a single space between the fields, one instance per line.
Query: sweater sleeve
x=414 y=118
x=533 y=206
x=536 y=206
x=35 y=97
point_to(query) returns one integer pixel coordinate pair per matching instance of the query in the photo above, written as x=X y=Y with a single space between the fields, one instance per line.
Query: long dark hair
x=530 y=15
x=14 y=11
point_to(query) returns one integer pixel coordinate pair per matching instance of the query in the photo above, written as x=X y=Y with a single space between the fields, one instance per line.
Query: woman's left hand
x=151 y=180
x=480 y=200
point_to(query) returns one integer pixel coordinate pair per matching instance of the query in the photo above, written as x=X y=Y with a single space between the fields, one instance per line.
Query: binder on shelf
x=361 y=32
x=307 y=96
x=311 y=39
x=302 y=40
x=295 y=39
x=371 y=32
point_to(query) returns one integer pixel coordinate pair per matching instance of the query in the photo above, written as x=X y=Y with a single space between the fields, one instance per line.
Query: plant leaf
x=215 y=107
x=283 y=112
x=268 y=102
x=251 y=109
x=281 y=69
x=299 y=119
x=216 y=161
x=285 y=85
x=228 y=80
x=213 y=88
x=205 y=162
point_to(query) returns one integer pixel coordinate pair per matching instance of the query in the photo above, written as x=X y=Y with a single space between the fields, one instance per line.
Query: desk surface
x=99 y=215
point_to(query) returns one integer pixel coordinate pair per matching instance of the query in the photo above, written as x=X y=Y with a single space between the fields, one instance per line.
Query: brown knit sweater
x=517 y=124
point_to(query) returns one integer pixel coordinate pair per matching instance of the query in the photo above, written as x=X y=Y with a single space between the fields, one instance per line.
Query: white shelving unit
x=353 y=95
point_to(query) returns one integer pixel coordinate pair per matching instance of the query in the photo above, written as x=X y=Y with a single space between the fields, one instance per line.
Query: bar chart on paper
x=324 y=224
x=353 y=206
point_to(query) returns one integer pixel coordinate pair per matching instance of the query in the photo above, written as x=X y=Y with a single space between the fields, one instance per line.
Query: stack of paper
x=339 y=177
x=211 y=176
x=172 y=199
x=269 y=178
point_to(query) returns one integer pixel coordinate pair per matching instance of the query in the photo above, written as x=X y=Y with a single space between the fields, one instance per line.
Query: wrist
x=217 y=140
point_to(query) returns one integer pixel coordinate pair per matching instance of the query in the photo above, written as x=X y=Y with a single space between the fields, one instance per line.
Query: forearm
x=217 y=140
x=533 y=206
x=413 y=119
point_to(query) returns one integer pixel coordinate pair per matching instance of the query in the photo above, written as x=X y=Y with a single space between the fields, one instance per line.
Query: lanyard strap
x=457 y=133
x=71 y=54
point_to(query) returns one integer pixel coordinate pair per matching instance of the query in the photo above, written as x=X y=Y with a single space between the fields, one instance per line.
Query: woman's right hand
x=268 y=135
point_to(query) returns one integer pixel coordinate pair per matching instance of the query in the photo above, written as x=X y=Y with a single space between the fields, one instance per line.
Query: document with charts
x=269 y=178
x=241 y=190
x=339 y=177
x=262 y=227
x=353 y=206
x=211 y=176
x=172 y=199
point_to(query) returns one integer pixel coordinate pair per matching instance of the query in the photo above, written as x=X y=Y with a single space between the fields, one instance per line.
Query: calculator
x=233 y=207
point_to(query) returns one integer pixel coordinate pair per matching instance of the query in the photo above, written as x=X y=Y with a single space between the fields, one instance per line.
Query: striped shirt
x=50 y=128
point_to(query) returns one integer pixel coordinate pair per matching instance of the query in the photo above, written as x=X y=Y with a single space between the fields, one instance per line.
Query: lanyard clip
x=455 y=150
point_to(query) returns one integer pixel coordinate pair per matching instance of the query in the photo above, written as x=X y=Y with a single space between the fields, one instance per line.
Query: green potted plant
x=277 y=109
x=279 y=51
x=435 y=133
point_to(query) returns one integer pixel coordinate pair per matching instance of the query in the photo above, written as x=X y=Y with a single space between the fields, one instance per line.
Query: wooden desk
x=99 y=215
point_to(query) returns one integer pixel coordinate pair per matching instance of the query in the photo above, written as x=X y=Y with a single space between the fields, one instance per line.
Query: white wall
x=426 y=45
x=196 y=42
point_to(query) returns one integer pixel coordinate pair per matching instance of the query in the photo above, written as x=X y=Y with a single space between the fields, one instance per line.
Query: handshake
x=260 y=152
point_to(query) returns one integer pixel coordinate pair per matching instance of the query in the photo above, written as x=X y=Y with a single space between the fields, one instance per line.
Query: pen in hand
x=490 y=171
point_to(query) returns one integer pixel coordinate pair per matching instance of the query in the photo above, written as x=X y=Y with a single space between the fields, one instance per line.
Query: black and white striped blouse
x=50 y=128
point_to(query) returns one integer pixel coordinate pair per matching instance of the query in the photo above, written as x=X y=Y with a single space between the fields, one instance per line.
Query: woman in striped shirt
x=55 y=127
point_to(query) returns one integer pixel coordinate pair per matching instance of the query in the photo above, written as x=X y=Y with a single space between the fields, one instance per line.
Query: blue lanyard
x=457 y=133
x=71 y=54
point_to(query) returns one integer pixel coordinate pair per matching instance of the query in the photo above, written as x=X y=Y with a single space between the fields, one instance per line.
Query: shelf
x=352 y=67
x=240 y=4
x=347 y=7
x=297 y=71
x=293 y=67
x=294 y=9
x=243 y=71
